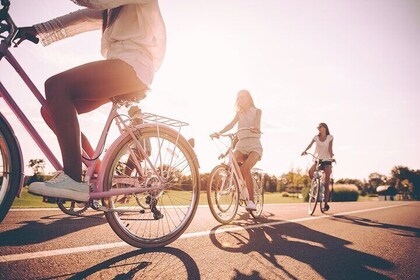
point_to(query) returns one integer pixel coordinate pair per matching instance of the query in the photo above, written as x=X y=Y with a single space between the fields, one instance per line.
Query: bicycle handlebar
x=317 y=158
x=10 y=27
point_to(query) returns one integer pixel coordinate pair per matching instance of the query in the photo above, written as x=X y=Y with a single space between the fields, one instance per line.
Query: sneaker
x=326 y=207
x=61 y=186
x=250 y=206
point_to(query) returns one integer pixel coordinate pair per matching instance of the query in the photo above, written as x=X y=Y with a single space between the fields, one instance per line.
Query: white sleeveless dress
x=248 y=141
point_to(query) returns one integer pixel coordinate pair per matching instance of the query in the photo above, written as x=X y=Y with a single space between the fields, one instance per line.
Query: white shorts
x=248 y=145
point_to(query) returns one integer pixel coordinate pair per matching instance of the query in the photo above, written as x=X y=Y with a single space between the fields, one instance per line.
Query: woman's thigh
x=92 y=85
x=252 y=159
x=328 y=170
x=240 y=157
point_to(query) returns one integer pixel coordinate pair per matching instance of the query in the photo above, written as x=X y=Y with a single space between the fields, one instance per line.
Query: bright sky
x=352 y=64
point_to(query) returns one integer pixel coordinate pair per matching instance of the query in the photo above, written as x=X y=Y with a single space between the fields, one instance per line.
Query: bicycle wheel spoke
x=171 y=172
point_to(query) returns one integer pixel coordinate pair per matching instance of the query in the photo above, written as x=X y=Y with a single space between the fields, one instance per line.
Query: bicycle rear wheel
x=313 y=196
x=258 y=196
x=222 y=194
x=10 y=168
x=169 y=209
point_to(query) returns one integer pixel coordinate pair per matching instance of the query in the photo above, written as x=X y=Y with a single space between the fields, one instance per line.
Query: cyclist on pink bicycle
x=324 y=151
x=133 y=43
x=248 y=150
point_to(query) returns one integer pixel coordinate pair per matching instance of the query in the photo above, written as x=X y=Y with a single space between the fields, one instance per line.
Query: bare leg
x=246 y=172
x=328 y=170
x=87 y=147
x=312 y=171
x=94 y=83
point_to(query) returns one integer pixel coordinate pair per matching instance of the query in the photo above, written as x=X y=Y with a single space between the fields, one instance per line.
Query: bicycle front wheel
x=223 y=194
x=170 y=171
x=10 y=169
x=258 y=197
x=313 y=195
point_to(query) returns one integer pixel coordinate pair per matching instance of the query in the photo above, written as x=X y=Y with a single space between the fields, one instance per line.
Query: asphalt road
x=366 y=240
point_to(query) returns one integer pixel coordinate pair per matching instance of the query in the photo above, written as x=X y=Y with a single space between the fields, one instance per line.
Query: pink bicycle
x=148 y=186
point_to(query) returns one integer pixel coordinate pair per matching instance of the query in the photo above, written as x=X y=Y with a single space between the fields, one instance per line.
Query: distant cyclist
x=324 y=151
x=248 y=150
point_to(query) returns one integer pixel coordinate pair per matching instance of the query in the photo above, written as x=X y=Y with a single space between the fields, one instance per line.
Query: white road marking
x=50 y=253
x=90 y=210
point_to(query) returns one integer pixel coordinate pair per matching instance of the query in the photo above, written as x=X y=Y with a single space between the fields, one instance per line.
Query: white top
x=137 y=37
x=247 y=119
x=321 y=149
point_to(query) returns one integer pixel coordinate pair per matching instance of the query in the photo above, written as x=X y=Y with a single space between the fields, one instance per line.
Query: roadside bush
x=284 y=194
x=305 y=194
x=345 y=193
x=36 y=178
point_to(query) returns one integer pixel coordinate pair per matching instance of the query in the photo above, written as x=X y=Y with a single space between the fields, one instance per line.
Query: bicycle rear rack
x=153 y=118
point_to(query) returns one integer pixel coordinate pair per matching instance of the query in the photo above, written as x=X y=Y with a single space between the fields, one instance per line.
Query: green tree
x=406 y=181
x=37 y=165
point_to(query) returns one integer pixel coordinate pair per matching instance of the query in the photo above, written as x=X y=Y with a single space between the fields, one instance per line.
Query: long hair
x=326 y=127
x=109 y=17
x=248 y=96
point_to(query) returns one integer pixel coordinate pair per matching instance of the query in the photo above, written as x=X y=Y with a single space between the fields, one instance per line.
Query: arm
x=108 y=4
x=330 y=149
x=227 y=128
x=230 y=125
x=309 y=146
x=69 y=25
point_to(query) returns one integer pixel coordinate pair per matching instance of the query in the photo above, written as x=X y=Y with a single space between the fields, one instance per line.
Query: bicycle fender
x=22 y=175
x=124 y=135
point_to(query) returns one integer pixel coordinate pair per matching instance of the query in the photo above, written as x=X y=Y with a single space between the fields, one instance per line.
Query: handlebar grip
x=33 y=39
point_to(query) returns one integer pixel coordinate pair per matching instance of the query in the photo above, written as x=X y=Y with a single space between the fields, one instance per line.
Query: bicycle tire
x=313 y=196
x=321 y=198
x=145 y=228
x=258 y=197
x=222 y=210
x=10 y=168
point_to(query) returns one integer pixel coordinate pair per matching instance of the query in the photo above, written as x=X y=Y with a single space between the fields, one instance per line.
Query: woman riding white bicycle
x=324 y=151
x=248 y=150
x=133 y=43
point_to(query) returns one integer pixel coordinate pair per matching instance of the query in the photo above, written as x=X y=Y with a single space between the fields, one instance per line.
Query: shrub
x=305 y=194
x=345 y=193
x=284 y=194
x=36 y=178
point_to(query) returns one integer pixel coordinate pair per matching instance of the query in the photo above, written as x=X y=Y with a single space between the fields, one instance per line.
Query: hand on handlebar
x=215 y=135
x=26 y=33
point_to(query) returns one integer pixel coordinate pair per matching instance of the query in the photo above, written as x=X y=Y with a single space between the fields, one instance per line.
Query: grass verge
x=31 y=201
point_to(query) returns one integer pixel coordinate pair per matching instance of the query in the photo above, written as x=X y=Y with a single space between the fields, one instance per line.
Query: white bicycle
x=227 y=189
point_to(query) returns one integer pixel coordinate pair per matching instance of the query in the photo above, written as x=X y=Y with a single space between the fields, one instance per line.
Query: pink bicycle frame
x=90 y=163
x=21 y=115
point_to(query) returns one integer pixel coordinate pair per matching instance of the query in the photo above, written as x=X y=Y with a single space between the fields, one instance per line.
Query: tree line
x=402 y=180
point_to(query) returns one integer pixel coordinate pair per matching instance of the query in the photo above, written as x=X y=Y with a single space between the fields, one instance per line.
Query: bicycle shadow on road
x=42 y=230
x=161 y=263
x=398 y=229
x=327 y=255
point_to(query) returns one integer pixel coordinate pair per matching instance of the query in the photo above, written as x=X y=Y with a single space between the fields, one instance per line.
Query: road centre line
x=90 y=248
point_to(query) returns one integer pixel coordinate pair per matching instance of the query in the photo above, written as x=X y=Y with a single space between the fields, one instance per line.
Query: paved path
x=363 y=240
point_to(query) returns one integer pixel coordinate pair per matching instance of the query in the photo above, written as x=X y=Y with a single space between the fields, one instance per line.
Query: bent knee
x=54 y=84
